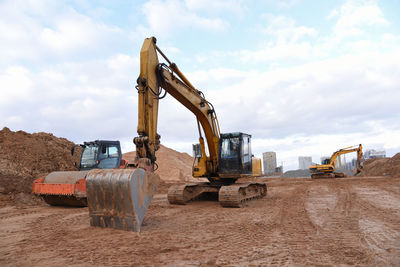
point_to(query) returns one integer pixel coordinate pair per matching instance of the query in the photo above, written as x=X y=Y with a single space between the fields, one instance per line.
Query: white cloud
x=284 y=29
x=286 y=41
x=16 y=84
x=286 y=3
x=165 y=17
x=98 y=102
x=235 y=6
x=35 y=31
x=355 y=16
x=281 y=51
x=73 y=32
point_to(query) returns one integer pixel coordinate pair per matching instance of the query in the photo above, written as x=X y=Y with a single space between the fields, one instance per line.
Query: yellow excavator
x=119 y=198
x=328 y=167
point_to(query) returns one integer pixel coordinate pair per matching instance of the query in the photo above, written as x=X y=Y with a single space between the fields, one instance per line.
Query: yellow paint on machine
x=256 y=163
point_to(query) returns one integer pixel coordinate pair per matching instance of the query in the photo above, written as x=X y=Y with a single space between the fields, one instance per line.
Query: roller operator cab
x=100 y=154
x=235 y=153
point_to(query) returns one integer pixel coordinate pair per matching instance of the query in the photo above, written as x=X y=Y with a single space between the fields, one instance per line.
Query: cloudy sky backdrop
x=304 y=77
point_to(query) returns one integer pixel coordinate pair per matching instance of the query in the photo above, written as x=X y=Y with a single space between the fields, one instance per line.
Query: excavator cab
x=235 y=154
x=325 y=161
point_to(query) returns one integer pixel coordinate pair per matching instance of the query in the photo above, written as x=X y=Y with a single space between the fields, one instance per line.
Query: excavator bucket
x=119 y=198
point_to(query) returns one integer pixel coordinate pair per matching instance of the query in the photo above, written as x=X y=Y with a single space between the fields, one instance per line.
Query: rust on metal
x=119 y=198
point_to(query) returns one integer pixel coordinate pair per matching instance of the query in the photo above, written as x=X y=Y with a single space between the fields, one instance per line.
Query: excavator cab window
x=235 y=154
x=246 y=154
x=325 y=161
x=230 y=148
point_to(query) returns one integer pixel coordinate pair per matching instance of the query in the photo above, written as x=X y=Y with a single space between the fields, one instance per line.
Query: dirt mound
x=25 y=157
x=393 y=167
x=173 y=166
x=382 y=166
x=34 y=154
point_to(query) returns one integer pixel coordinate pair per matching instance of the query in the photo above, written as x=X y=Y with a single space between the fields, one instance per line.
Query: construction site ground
x=303 y=222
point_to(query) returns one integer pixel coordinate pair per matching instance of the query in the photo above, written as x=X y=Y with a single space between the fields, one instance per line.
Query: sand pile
x=173 y=166
x=34 y=154
x=24 y=157
x=382 y=166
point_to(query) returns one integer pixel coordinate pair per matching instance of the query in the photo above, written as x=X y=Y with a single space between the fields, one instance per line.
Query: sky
x=303 y=77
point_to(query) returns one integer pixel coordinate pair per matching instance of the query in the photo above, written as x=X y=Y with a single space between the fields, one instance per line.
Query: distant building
x=373 y=154
x=269 y=162
x=279 y=170
x=305 y=162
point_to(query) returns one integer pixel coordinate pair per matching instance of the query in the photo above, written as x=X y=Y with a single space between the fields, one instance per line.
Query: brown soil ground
x=301 y=222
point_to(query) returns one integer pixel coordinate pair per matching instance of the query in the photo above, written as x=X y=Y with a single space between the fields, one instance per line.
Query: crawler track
x=237 y=195
x=181 y=194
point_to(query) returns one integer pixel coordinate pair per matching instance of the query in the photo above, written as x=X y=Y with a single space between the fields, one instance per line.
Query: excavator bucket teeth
x=119 y=198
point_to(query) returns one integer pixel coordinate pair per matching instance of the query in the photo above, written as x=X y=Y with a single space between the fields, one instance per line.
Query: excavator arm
x=155 y=77
x=335 y=156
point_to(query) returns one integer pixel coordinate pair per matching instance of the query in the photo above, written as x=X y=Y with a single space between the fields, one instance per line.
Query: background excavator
x=328 y=168
x=119 y=198
x=68 y=188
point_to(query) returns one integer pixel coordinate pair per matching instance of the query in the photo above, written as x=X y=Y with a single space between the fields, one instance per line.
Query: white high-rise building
x=373 y=154
x=269 y=161
x=305 y=162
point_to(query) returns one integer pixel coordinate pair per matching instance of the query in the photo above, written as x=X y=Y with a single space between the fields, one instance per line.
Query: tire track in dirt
x=380 y=222
x=336 y=220
x=300 y=223
x=16 y=229
x=297 y=230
